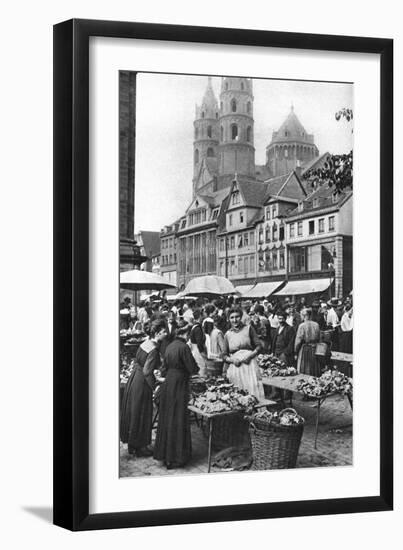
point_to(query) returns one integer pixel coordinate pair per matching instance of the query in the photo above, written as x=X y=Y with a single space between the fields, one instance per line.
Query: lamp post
x=138 y=259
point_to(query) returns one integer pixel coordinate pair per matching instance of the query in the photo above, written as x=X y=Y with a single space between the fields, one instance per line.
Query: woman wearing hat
x=137 y=402
x=173 y=443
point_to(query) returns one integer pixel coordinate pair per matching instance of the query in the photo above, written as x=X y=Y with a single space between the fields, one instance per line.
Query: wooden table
x=290 y=383
x=210 y=421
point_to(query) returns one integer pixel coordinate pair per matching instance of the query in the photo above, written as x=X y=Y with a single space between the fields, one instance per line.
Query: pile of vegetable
x=286 y=417
x=221 y=396
x=331 y=381
x=272 y=366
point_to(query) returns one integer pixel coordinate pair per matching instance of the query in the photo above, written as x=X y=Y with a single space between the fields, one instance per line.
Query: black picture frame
x=71 y=273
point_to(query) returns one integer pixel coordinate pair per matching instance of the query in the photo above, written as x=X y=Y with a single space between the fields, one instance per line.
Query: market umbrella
x=209 y=284
x=143 y=280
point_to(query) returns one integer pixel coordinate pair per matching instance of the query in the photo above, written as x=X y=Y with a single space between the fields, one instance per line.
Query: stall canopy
x=209 y=284
x=143 y=280
x=243 y=289
x=262 y=290
x=304 y=287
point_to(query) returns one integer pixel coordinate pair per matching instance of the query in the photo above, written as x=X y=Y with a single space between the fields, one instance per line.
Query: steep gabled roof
x=316 y=162
x=253 y=192
x=323 y=198
x=285 y=187
x=151 y=242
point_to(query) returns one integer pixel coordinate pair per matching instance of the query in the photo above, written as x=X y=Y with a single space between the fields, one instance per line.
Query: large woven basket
x=276 y=446
x=231 y=431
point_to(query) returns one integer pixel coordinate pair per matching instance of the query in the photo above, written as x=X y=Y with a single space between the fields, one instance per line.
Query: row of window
x=271 y=212
x=243 y=265
x=270 y=234
x=197 y=217
x=168 y=259
x=311 y=227
x=272 y=260
x=168 y=243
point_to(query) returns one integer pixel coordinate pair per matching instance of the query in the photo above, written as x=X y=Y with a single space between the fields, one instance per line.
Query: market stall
x=331 y=382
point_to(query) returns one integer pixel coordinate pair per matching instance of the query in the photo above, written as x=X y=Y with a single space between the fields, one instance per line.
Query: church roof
x=291 y=130
x=209 y=97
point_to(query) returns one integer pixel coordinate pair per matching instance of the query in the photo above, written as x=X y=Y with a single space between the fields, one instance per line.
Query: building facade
x=254 y=223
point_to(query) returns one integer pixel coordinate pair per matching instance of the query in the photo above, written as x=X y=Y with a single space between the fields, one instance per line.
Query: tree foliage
x=337 y=170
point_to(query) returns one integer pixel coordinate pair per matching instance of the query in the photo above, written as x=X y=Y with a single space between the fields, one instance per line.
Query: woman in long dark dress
x=137 y=403
x=173 y=443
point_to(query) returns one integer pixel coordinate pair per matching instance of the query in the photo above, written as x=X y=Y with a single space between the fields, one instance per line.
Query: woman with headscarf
x=137 y=402
x=241 y=349
x=173 y=443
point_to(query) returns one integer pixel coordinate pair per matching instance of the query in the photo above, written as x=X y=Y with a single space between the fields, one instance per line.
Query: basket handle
x=289 y=409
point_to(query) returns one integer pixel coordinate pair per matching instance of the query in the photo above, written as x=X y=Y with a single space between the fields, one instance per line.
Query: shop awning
x=243 y=289
x=304 y=287
x=262 y=290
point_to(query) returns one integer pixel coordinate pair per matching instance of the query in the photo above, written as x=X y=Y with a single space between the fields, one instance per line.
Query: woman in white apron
x=242 y=346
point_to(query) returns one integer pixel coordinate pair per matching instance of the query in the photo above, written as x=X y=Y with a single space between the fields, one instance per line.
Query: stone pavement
x=334 y=442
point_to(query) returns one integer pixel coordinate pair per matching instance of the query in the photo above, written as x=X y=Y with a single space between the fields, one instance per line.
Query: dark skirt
x=307 y=361
x=173 y=442
x=346 y=341
x=136 y=411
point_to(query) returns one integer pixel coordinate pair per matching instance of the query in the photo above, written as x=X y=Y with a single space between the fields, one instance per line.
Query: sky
x=165 y=111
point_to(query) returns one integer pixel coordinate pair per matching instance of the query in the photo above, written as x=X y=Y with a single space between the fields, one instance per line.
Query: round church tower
x=236 y=151
x=206 y=133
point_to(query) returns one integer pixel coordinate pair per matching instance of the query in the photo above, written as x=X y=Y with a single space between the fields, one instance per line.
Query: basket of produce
x=331 y=382
x=275 y=439
x=272 y=366
x=222 y=397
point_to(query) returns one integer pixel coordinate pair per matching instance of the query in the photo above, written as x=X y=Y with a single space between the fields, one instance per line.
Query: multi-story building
x=319 y=243
x=244 y=221
x=168 y=262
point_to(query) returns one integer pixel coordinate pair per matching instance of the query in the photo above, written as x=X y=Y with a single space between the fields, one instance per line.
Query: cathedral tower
x=290 y=146
x=206 y=131
x=236 y=151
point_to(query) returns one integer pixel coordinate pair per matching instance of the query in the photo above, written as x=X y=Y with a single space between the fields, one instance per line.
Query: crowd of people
x=197 y=337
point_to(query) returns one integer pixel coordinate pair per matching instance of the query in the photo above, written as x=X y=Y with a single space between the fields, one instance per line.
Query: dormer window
x=315 y=203
x=300 y=206
x=214 y=214
x=236 y=199
x=183 y=224
x=268 y=213
x=274 y=211
x=240 y=217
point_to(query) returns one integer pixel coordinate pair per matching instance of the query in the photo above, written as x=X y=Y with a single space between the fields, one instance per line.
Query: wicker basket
x=276 y=446
x=231 y=431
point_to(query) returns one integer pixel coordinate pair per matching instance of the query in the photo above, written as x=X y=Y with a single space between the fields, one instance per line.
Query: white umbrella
x=209 y=284
x=143 y=280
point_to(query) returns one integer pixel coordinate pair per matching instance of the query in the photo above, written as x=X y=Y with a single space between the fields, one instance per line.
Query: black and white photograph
x=236 y=274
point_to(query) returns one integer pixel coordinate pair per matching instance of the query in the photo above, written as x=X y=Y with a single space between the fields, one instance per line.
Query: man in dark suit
x=283 y=341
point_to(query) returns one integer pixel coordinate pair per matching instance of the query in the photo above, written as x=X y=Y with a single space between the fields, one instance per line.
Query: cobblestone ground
x=334 y=447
